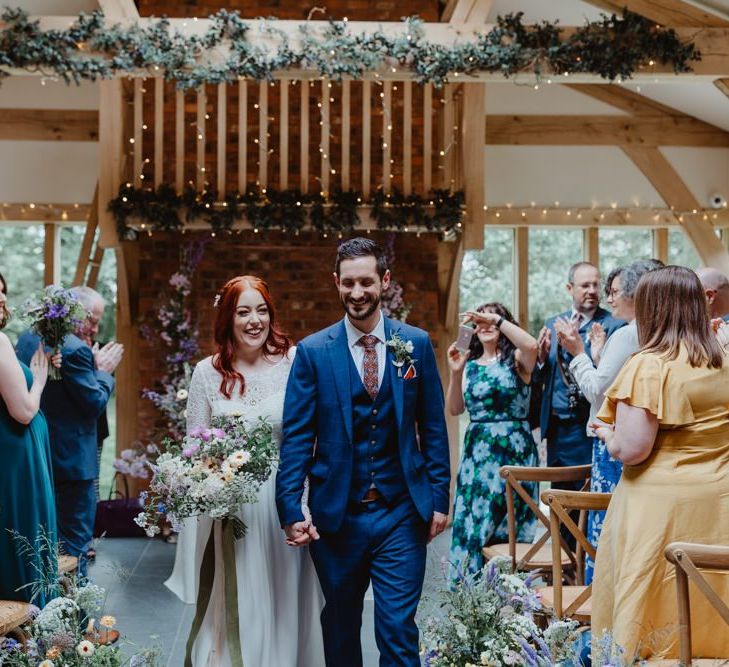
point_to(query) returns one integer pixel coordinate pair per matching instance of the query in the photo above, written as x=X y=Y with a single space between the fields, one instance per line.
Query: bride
x=279 y=598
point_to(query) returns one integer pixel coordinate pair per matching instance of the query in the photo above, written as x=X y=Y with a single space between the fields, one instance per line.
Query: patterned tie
x=369 y=365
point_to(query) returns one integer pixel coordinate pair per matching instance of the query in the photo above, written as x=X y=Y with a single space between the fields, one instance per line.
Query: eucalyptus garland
x=613 y=47
x=287 y=210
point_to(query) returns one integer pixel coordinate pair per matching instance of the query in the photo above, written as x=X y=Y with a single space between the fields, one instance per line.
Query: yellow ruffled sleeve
x=650 y=382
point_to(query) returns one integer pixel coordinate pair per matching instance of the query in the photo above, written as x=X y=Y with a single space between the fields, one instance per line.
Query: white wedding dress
x=279 y=598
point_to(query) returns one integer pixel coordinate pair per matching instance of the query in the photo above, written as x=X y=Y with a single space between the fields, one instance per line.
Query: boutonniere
x=402 y=350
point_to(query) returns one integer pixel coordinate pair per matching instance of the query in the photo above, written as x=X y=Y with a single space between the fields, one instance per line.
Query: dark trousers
x=385 y=544
x=76 y=510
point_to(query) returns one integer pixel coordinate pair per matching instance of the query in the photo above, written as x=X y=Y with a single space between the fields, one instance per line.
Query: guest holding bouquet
x=666 y=418
x=27 y=506
x=72 y=407
x=492 y=381
x=594 y=380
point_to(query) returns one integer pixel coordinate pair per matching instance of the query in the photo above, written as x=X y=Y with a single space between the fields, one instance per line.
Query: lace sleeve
x=198 y=405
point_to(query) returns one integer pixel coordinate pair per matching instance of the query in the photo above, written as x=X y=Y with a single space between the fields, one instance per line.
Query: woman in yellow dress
x=667 y=416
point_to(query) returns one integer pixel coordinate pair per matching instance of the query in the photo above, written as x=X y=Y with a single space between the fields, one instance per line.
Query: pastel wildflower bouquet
x=52 y=315
x=211 y=471
x=487 y=618
x=135 y=460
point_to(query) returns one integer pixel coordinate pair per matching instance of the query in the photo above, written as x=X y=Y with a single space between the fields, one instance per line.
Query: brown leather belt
x=371 y=495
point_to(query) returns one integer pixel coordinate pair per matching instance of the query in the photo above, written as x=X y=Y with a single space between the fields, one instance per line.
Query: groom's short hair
x=361 y=247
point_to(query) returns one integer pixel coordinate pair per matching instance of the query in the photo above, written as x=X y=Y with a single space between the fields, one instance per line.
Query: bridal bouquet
x=210 y=471
x=52 y=315
x=487 y=618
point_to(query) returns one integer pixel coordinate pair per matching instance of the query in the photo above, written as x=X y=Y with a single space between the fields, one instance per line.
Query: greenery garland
x=613 y=47
x=288 y=210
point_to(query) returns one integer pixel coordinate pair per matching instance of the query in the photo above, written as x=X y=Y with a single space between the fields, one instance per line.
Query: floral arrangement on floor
x=135 y=460
x=393 y=300
x=487 y=618
x=211 y=471
x=52 y=315
x=66 y=632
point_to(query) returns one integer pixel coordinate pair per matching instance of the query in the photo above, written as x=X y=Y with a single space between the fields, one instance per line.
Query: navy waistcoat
x=376 y=456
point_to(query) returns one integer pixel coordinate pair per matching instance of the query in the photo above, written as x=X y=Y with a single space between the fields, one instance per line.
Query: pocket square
x=411 y=373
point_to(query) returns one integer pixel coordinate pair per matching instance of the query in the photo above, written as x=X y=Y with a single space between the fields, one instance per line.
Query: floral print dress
x=497 y=400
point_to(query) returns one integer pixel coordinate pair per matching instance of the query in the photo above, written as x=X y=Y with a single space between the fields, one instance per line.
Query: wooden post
x=179 y=141
x=325 y=124
x=242 y=136
x=346 y=131
x=52 y=254
x=202 y=103
x=84 y=254
x=283 y=125
x=521 y=276
x=263 y=134
x=427 y=137
x=472 y=163
x=660 y=244
x=407 y=144
x=591 y=245
x=159 y=129
x=366 y=136
x=304 y=137
x=386 y=97
x=222 y=108
x=138 y=132
x=112 y=144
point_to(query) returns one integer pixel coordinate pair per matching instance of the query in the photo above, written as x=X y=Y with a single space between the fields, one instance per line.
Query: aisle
x=132 y=571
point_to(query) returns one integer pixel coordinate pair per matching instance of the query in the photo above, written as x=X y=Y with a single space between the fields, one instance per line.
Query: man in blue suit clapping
x=72 y=407
x=364 y=421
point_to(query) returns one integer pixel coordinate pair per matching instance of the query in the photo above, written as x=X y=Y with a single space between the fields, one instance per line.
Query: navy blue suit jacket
x=318 y=411
x=72 y=406
x=546 y=374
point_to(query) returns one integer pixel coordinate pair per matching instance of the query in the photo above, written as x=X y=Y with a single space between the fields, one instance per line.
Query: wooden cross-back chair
x=688 y=558
x=572 y=601
x=538 y=555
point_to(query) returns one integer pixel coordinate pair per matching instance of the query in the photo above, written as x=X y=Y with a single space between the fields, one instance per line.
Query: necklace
x=490 y=360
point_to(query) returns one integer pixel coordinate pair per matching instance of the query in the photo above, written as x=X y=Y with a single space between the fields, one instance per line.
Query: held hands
x=457 y=359
x=568 y=336
x=544 y=343
x=437 y=525
x=108 y=357
x=299 y=534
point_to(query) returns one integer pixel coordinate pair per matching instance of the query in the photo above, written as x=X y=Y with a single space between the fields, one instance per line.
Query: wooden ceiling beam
x=37 y=212
x=723 y=86
x=119 y=9
x=49 y=125
x=666 y=12
x=663 y=130
x=624 y=99
x=466 y=11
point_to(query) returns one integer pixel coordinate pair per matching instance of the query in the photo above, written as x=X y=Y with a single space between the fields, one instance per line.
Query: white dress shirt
x=357 y=351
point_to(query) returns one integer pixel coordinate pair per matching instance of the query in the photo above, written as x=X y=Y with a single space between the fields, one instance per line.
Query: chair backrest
x=561 y=503
x=514 y=476
x=688 y=557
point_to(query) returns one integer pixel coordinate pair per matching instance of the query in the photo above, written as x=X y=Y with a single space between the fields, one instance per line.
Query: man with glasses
x=564 y=410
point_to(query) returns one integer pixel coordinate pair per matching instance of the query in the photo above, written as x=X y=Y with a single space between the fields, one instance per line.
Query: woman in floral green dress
x=491 y=380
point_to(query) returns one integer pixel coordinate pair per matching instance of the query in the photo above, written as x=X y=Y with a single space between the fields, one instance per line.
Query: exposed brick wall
x=356 y=10
x=299 y=273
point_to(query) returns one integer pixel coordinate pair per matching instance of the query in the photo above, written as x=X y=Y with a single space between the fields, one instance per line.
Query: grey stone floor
x=133 y=571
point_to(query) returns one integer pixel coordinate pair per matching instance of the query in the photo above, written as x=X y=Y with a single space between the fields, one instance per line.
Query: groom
x=372 y=439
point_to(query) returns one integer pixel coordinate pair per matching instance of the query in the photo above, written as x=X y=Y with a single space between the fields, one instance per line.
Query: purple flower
x=196 y=432
x=206 y=434
x=191 y=450
x=218 y=432
x=57 y=311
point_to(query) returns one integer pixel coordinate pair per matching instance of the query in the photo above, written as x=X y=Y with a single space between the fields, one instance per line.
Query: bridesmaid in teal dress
x=492 y=381
x=27 y=503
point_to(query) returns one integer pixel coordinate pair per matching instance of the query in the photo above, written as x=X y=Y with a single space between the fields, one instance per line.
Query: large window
x=622 y=246
x=487 y=275
x=681 y=251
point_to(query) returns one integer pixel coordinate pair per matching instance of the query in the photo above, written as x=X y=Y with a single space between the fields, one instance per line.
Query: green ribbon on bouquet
x=231 y=532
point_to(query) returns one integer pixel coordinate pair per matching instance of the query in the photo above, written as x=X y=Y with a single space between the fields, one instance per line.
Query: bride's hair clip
x=216 y=301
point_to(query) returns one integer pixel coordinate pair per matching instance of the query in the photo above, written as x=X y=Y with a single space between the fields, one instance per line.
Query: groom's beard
x=374 y=304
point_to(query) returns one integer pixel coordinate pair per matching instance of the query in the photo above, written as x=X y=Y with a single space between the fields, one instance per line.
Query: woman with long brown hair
x=667 y=420
x=278 y=592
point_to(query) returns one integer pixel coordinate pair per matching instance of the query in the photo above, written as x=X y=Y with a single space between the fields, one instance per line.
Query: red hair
x=277 y=342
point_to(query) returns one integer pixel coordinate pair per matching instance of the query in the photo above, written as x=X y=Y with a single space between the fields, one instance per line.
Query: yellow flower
x=46 y=663
x=53 y=652
x=107 y=621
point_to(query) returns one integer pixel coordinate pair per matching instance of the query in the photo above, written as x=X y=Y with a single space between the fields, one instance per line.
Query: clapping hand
x=299 y=534
x=722 y=333
x=108 y=357
x=568 y=336
x=597 y=337
x=39 y=365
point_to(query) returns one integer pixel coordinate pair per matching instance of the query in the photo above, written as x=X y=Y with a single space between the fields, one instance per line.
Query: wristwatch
x=499 y=322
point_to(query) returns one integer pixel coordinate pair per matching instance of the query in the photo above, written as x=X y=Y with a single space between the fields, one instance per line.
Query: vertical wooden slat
x=159 y=129
x=447 y=147
x=407 y=145
x=242 y=136
x=201 y=139
x=52 y=254
x=386 y=97
x=284 y=135
x=366 y=136
x=427 y=137
x=84 y=254
x=263 y=134
x=660 y=244
x=346 y=130
x=138 y=121
x=179 y=141
x=325 y=128
x=220 y=174
x=304 y=137
x=472 y=122
x=521 y=276
x=591 y=245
